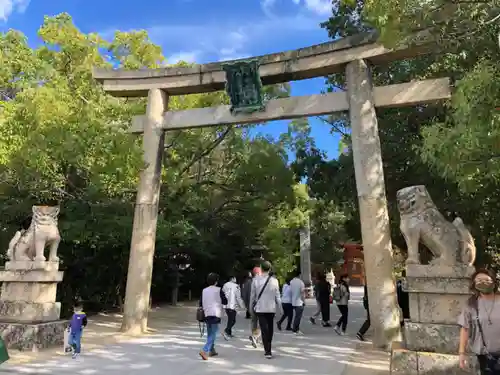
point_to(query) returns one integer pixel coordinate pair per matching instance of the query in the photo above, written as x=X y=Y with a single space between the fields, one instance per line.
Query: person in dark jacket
x=255 y=335
x=403 y=297
x=245 y=293
x=366 y=325
x=317 y=313
x=324 y=289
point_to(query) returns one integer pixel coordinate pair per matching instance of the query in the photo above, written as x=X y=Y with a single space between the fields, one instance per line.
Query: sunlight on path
x=319 y=352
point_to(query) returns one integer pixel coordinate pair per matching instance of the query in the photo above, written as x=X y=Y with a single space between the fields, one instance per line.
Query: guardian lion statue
x=30 y=244
x=450 y=243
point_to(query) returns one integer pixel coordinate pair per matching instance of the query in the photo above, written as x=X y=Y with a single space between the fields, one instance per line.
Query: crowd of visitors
x=260 y=297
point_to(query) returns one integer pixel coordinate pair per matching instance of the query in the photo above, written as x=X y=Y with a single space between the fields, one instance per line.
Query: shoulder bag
x=200 y=316
x=493 y=359
x=260 y=293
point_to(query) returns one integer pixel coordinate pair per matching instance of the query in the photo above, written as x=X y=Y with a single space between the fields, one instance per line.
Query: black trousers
x=342 y=322
x=325 y=310
x=231 y=321
x=266 y=323
x=287 y=314
x=366 y=324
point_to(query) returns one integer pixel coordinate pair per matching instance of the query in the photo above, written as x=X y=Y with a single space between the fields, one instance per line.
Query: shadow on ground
x=320 y=352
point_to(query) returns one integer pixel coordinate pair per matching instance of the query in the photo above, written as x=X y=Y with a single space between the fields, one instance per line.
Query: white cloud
x=186 y=56
x=320 y=7
x=233 y=38
x=227 y=41
x=268 y=5
x=7 y=7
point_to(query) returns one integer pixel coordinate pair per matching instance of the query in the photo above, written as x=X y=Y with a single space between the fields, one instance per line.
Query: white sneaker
x=337 y=330
x=299 y=333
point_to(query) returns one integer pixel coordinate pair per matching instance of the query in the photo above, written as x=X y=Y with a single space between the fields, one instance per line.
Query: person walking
x=265 y=300
x=76 y=325
x=286 y=304
x=245 y=293
x=324 y=290
x=480 y=324
x=366 y=325
x=254 y=321
x=317 y=313
x=403 y=298
x=298 y=301
x=341 y=295
x=212 y=299
x=233 y=295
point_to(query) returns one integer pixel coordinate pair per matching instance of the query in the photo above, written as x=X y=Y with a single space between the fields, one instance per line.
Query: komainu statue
x=450 y=243
x=30 y=244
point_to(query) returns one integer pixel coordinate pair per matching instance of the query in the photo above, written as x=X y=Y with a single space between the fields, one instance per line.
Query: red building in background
x=354 y=263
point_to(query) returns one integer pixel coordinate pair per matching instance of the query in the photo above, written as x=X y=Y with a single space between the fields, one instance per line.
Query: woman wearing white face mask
x=480 y=322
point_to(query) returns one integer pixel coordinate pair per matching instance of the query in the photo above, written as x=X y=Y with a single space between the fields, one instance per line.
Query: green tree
x=448 y=147
x=62 y=138
x=444 y=22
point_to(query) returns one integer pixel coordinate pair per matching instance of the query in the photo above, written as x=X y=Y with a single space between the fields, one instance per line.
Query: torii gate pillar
x=370 y=185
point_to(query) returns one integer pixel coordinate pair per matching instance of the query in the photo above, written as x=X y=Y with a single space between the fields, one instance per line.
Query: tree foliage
x=444 y=22
x=466 y=147
x=450 y=147
x=62 y=138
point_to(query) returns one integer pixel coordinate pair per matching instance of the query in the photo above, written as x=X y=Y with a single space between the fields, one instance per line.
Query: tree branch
x=207 y=151
x=333 y=125
x=174 y=140
x=485 y=159
x=217 y=210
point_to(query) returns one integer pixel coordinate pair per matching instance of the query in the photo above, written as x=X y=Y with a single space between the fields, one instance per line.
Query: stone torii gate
x=354 y=55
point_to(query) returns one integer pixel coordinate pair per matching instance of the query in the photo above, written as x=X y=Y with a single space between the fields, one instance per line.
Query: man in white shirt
x=298 y=289
x=233 y=295
x=286 y=304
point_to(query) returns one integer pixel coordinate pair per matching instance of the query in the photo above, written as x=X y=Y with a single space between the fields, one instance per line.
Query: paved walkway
x=320 y=351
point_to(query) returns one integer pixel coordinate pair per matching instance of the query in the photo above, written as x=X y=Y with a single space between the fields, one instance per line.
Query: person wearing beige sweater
x=265 y=299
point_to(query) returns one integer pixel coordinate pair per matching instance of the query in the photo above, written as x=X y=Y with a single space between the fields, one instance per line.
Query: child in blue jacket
x=76 y=325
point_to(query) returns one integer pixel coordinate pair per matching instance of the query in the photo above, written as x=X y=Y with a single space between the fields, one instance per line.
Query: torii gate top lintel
x=309 y=62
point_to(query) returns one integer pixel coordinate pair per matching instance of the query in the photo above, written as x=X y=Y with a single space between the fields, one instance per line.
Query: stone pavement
x=175 y=343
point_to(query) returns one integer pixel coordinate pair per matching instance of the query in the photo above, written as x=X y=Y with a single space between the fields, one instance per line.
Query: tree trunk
x=140 y=268
x=175 y=290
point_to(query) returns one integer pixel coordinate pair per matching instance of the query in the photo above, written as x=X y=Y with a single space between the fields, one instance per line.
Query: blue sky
x=197 y=31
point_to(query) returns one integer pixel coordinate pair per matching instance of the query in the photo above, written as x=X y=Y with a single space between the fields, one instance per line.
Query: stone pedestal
x=437 y=295
x=29 y=313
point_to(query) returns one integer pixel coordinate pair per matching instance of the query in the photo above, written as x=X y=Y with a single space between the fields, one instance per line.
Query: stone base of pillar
x=410 y=362
x=435 y=337
x=29 y=313
x=437 y=295
x=33 y=337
